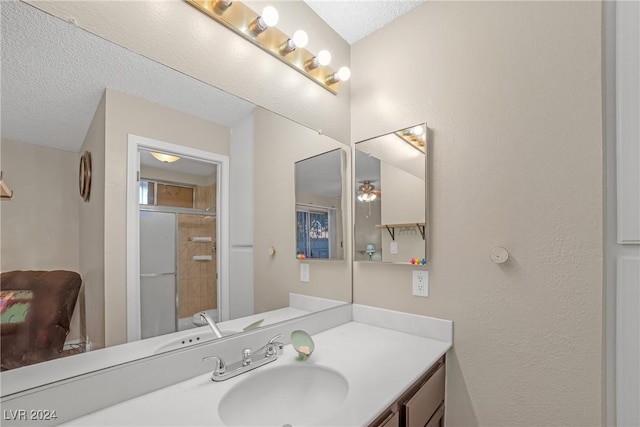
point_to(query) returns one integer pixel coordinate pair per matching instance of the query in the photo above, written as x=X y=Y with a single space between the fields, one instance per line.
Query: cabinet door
x=393 y=420
x=438 y=418
x=420 y=408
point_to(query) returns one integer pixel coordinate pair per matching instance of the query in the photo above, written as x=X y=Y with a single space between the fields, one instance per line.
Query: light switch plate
x=421 y=283
x=393 y=248
x=304 y=272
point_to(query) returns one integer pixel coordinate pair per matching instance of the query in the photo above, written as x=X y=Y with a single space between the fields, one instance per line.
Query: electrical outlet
x=393 y=247
x=304 y=272
x=421 y=283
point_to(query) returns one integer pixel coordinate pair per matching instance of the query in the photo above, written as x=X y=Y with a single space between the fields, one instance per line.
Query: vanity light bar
x=413 y=137
x=242 y=20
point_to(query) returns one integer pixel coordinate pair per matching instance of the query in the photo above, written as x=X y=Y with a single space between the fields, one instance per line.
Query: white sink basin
x=295 y=395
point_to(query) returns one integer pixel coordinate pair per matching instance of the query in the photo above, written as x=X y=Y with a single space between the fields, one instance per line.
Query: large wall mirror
x=215 y=225
x=391 y=197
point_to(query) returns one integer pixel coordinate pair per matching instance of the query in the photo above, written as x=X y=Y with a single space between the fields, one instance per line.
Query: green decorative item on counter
x=303 y=344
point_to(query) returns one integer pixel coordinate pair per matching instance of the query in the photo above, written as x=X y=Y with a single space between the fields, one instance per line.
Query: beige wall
x=40 y=225
x=512 y=94
x=402 y=202
x=176 y=34
x=278 y=144
x=126 y=115
x=92 y=230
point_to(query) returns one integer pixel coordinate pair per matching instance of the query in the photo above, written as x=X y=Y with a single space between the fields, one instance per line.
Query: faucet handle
x=272 y=340
x=246 y=356
x=220 y=368
x=274 y=347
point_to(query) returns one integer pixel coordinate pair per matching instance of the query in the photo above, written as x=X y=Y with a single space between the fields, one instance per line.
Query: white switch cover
x=421 y=283
x=304 y=272
x=393 y=247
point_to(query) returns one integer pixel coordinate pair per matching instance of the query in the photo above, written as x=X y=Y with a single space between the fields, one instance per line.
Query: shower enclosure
x=178 y=271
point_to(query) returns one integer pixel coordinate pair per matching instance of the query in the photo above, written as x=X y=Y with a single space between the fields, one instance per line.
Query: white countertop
x=378 y=364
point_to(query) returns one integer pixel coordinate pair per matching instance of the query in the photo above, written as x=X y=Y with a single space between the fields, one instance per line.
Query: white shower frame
x=135 y=143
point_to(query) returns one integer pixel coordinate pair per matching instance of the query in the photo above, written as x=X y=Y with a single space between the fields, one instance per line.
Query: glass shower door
x=157 y=273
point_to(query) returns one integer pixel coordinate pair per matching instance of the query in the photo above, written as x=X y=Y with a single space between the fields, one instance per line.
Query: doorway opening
x=177 y=237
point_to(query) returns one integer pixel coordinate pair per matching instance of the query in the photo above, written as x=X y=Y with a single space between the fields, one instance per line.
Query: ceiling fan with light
x=367 y=192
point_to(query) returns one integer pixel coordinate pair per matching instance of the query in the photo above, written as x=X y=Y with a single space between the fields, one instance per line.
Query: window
x=164 y=194
x=314 y=232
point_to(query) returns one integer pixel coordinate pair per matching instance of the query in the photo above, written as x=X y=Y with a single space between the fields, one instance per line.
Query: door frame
x=135 y=143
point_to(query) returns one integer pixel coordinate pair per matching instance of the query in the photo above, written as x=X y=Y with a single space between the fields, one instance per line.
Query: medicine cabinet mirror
x=391 y=197
x=319 y=206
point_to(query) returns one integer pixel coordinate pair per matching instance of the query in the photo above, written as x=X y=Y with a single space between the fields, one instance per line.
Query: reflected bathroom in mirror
x=178 y=228
x=319 y=201
x=391 y=197
x=228 y=214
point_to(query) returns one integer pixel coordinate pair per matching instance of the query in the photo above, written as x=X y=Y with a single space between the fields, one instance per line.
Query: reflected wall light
x=261 y=30
x=415 y=136
x=166 y=158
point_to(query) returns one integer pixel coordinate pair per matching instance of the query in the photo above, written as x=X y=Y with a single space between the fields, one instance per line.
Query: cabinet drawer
x=420 y=408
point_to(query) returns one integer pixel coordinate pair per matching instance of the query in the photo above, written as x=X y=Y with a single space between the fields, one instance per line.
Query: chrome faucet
x=204 y=316
x=250 y=360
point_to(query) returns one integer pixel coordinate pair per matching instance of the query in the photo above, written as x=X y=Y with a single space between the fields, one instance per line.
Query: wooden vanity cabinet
x=421 y=405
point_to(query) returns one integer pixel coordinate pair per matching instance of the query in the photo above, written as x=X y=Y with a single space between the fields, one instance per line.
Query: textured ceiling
x=54 y=75
x=356 y=19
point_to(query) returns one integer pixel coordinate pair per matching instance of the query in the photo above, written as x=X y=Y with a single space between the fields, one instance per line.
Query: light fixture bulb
x=324 y=57
x=165 y=158
x=344 y=74
x=300 y=39
x=417 y=130
x=270 y=16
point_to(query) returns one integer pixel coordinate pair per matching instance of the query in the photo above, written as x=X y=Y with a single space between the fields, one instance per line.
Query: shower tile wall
x=197 y=288
x=205 y=197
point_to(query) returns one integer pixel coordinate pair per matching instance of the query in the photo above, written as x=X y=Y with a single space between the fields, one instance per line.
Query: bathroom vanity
x=370 y=367
x=361 y=373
